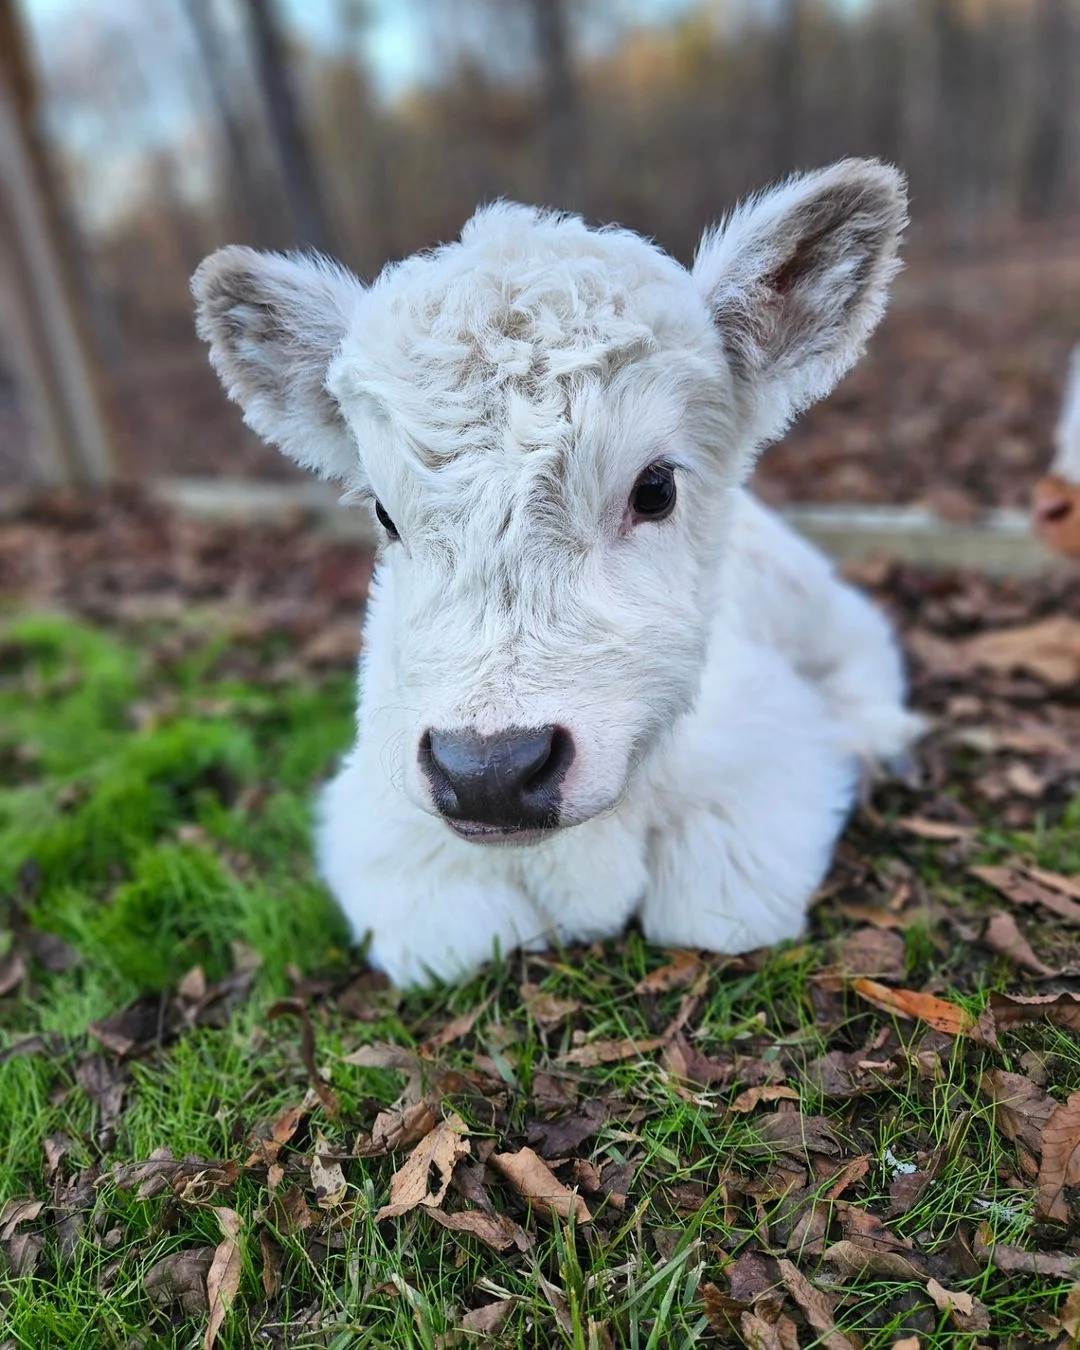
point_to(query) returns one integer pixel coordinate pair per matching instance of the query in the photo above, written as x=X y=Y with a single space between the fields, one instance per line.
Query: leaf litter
x=902 y=948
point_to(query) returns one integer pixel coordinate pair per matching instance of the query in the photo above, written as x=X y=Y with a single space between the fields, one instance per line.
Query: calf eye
x=653 y=497
x=385 y=521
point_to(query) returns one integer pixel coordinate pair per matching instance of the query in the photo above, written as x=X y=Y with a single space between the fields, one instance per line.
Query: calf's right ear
x=274 y=324
x=796 y=280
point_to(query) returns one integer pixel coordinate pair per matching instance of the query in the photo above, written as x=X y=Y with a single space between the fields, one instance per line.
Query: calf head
x=1056 y=503
x=549 y=423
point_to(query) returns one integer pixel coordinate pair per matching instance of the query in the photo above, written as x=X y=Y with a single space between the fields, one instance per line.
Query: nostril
x=1055 y=511
x=557 y=759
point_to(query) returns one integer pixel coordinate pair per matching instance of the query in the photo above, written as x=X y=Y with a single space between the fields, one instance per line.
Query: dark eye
x=653 y=497
x=385 y=521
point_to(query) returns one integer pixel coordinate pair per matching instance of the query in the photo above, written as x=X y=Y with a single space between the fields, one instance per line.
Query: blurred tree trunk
x=885 y=116
x=255 y=198
x=786 y=100
x=297 y=163
x=45 y=302
x=954 y=162
x=1044 y=166
x=561 y=104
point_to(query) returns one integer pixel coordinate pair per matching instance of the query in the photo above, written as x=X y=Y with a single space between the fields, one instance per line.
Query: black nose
x=511 y=780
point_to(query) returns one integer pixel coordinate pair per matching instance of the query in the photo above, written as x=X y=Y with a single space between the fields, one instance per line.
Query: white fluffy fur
x=1067 y=458
x=500 y=396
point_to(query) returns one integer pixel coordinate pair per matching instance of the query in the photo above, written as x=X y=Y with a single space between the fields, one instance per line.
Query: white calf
x=599 y=680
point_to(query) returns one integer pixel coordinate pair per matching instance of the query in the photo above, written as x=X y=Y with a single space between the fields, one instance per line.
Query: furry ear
x=274 y=324
x=797 y=279
x=1067 y=458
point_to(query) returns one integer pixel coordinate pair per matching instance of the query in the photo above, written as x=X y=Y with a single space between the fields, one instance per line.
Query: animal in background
x=1056 y=502
x=600 y=681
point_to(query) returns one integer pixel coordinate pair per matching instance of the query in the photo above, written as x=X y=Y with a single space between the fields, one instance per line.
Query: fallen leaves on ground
x=1003 y=935
x=707 y=1085
x=935 y=1012
x=223 y=1277
x=1026 y=886
x=424 y=1177
x=592 y=1053
x=1060 y=1166
x=534 y=1181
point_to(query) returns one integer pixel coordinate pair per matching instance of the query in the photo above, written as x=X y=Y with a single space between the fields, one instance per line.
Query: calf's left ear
x=797 y=279
x=274 y=323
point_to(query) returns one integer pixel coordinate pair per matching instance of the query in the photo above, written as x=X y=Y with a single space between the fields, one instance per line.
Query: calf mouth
x=478 y=832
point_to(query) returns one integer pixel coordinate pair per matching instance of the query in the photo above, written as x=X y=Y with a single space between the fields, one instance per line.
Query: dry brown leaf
x=943 y=830
x=1057 y=881
x=272 y=1260
x=496 y=1230
x=424 y=1177
x=683 y=970
x=767 y=1092
x=852 y=1172
x=1015 y=1260
x=193 y=986
x=454 y=1030
x=1022 y=1109
x=1060 y=1166
x=534 y=1181
x=1003 y=935
x=289 y=1211
x=876 y=952
x=936 y=1012
x=23 y=1251
x=327 y=1178
x=547 y=1009
x=854 y=1260
x=817 y=1307
x=723 y=1311
x=1069 y=1313
x=12 y=973
x=966 y=1311
x=198 y=1186
x=223 y=1277
x=1021 y=886
x=1011 y=1010
x=793 y=1132
x=397 y=1129
x=269 y=1139
x=19 y=1209
x=611 y=1052
x=394 y=1057
x=760 y=1334
x=490 y=1319
x=181 y=1278
x=1049 y=649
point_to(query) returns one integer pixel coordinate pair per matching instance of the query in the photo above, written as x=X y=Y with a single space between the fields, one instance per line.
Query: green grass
x=155 y=812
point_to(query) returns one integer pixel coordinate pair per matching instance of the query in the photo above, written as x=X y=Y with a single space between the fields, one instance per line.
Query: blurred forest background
x=370 y=128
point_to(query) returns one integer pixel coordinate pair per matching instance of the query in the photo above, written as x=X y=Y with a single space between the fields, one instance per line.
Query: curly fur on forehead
x=484 y=342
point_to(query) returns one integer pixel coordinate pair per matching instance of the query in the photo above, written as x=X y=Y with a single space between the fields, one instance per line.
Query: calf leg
x=755 y=791
x=434 y=907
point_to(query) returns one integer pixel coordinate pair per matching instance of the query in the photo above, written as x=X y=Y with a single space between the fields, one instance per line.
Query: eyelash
x=385 y=521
